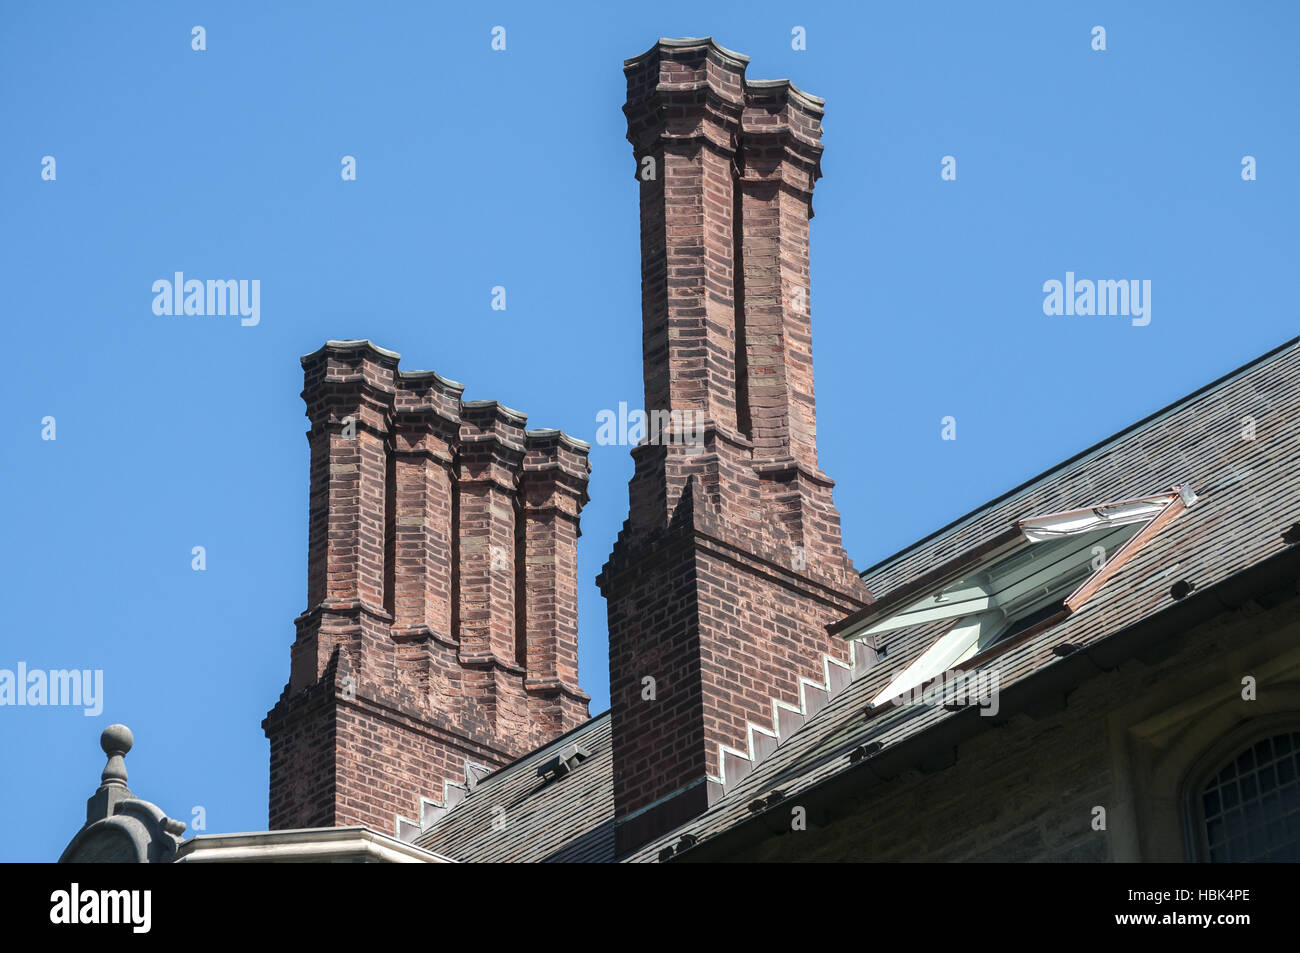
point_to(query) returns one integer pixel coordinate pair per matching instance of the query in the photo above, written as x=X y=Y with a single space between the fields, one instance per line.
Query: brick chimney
x=730 y=564
x=441 y=634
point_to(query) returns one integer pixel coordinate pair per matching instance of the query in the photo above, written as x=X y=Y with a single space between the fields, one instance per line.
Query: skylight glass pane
x=1047 y=562
x=1018 y=583
x=1013 y=591
x=961 y=643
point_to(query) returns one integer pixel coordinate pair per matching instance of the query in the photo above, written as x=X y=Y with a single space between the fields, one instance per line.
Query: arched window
x=1246 y=806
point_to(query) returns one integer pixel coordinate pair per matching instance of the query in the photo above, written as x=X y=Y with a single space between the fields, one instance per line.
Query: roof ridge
x=1083 y=455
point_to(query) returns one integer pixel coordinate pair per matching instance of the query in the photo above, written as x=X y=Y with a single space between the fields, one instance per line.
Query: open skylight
x=1043 y=568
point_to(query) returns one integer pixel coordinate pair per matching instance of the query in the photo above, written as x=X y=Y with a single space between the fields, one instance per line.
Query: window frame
x=1016 y=538
x=1214 y=759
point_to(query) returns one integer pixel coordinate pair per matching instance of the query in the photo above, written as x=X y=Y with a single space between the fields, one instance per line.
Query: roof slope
x=566 y=820
x=1248 y=497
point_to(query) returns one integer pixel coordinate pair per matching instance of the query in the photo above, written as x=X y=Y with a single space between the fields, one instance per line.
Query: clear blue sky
x=479 y=168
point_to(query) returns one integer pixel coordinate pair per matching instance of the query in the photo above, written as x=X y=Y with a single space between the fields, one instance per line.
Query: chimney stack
x=440 y=637
x=731 y=564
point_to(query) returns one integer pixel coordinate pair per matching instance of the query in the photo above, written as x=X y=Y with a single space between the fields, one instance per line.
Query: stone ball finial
x=116 y=741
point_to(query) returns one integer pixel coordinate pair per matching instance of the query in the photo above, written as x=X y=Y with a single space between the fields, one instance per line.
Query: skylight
x=1043 y=568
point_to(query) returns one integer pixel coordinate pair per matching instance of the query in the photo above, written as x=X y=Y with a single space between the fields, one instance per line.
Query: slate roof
x=570 y=819
x=1248 y=496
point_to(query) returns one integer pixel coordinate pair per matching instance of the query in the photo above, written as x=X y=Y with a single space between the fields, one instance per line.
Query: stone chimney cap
x=354 y=344
x=546 y=433
x=686 y=42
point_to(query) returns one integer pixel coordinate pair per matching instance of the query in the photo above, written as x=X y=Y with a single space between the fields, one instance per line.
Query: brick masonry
x=442 y=590
x=730 y=564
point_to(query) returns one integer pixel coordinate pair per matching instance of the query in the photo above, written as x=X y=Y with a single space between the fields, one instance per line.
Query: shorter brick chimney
x=441 y=634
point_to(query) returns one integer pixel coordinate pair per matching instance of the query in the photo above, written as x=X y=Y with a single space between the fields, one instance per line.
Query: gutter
x=1150 y=639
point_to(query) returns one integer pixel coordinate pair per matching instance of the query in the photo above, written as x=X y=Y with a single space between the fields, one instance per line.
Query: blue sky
x=478 y=168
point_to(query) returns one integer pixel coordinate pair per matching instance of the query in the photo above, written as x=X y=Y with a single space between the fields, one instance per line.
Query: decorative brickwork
x=442 y=627
x=730 y=565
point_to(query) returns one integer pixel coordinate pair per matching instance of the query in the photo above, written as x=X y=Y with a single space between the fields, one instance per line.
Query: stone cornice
x=416 y=378
x=709 y=77
x=496 y=410
x=317 y=844
x=350 y=347
x=401 y=395
x=541 y=435
x=687 y=43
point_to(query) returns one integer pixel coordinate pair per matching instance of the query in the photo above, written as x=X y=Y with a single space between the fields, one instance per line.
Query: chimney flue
x=441 y=630
x=730 y=564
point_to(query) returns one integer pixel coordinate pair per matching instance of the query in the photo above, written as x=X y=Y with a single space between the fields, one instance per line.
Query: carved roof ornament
x=120 y=828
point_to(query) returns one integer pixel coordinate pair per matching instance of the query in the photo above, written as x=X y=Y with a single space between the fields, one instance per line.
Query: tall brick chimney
x=730 y=564
x=441 y=634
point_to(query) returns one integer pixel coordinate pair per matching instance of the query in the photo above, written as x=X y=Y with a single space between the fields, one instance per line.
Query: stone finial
x=116 y=741
x=121 y=828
